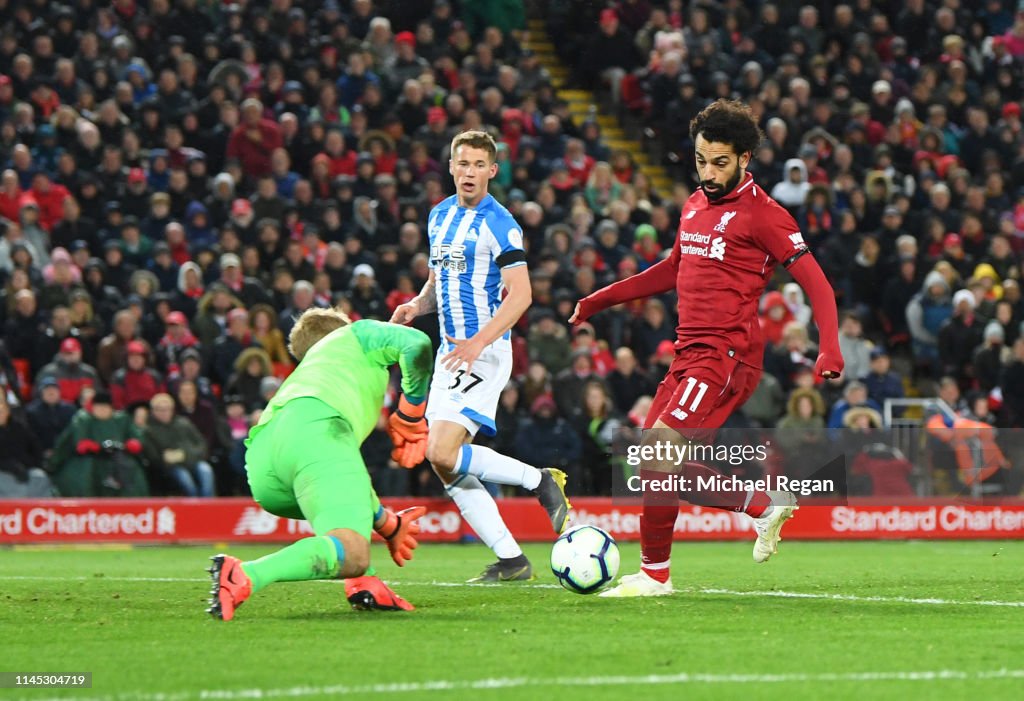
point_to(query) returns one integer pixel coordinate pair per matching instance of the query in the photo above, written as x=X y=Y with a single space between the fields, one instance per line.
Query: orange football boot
x=370 y=593
x=231 y=586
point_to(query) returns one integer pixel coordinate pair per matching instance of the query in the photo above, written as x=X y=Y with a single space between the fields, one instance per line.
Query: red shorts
x=702 y=388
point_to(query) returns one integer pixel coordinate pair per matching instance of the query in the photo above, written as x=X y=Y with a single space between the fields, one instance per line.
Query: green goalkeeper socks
x=318 y=557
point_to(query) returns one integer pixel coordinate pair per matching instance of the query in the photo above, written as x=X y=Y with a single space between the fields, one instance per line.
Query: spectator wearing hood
x=988 y=358
x=33 y=233
x=926 y=313
x=791 y=193
x=98 y=454
x=958 y=337
x=774 y=316
x=797 y=303
x=249 y=369
x=218 y=203
x=801 y=433
x=198 y=229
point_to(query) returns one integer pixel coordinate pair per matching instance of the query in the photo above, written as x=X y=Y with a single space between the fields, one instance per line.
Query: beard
x=714 y=194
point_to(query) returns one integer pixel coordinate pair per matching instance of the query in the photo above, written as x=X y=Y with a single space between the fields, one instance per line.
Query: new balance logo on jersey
x=798 y=240
x=690 y=214
x=717 y=249
x=255 y=521
x=726 y=218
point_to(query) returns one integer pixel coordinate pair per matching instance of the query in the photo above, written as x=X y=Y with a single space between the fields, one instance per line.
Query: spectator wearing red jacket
x=136 y=383
x=50 y=196
x=254 y=139
x=12 y=197
x=774 y=316
x=70 y=373
x=584 y=338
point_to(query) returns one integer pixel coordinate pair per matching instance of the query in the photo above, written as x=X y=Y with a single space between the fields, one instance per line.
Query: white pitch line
x=779 y=594
x=867 y=599
x=541 y=585
x=680 y=678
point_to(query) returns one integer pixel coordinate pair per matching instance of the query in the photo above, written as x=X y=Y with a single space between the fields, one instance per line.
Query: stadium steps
x=584 y=104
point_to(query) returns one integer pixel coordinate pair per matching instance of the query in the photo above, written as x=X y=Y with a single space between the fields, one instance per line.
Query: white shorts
x=470 y=399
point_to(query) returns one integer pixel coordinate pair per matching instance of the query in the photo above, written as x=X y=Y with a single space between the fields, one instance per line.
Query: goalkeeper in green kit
x=303 y=459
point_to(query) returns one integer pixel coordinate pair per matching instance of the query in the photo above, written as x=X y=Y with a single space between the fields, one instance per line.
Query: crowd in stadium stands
x=181 y=179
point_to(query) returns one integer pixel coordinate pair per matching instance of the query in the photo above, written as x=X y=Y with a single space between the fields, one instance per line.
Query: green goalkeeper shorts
x=305 y=464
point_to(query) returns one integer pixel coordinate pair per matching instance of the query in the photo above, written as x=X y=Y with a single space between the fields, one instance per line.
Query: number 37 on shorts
x=465 y=381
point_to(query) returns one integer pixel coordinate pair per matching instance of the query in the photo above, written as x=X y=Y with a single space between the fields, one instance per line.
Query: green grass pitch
x=892 y=620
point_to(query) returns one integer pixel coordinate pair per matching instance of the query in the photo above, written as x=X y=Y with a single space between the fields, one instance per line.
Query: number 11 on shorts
x=702 y=388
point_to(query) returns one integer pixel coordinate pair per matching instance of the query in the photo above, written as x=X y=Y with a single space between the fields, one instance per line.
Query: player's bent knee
x=357 y=552
x=442 y=458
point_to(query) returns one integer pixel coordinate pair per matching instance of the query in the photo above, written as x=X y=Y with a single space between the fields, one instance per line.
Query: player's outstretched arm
x=657 y=279
x=388 y=344
x=422 y=303
x=806 y=271
x=516 y=280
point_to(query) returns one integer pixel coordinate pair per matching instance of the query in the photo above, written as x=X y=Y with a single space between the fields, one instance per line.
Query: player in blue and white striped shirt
x=476 y=252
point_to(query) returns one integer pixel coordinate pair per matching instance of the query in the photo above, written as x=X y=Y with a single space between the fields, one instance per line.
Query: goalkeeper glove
x=399 y=531
x=408 y=431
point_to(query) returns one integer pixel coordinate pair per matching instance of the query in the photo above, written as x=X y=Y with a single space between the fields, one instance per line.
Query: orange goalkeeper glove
x=399 y=531
x=408 y=431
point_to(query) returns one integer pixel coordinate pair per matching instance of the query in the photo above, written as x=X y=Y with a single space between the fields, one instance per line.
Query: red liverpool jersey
x=724 y=255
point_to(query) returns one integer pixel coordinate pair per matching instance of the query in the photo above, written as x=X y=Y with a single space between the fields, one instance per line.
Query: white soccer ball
x=585 y=559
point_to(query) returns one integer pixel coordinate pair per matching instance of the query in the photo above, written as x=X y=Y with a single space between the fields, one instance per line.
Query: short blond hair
x=476 y=139
x=314 y=324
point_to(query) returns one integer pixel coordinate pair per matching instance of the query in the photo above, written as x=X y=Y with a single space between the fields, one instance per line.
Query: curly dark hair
x=728 y=122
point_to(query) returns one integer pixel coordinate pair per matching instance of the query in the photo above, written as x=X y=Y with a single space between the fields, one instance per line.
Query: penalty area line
x=680 y=678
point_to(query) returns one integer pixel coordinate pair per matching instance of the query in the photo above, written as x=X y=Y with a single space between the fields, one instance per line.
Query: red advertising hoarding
x=240 y=520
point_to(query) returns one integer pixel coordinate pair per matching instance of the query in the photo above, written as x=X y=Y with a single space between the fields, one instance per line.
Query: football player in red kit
x=731 y=236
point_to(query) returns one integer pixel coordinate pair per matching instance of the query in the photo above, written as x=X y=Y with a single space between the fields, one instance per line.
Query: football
x=585 y=559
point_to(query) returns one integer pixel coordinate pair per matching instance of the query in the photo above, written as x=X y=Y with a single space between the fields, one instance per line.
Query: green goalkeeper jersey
x=348 y=370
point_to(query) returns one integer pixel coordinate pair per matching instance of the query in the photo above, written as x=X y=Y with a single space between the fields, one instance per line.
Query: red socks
x=662 y=508
x=656 y=526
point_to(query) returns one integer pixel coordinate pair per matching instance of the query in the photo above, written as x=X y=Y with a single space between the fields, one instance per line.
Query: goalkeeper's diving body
x=303 y=459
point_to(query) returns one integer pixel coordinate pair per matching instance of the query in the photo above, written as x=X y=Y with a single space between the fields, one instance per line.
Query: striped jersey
x=468 y=250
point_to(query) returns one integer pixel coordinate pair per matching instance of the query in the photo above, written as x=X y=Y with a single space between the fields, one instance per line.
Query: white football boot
x=769 y=527
x=639 y=584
